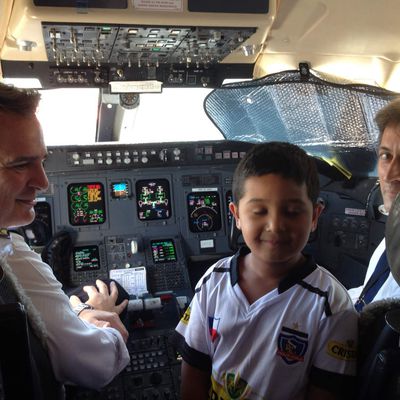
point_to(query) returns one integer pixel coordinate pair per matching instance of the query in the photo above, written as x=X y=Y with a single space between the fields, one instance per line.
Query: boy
x=268 y=323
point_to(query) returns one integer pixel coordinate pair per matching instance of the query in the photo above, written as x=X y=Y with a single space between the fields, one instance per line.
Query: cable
x=57 y=253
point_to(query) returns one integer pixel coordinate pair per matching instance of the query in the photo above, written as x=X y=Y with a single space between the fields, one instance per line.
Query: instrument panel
x=166 y=206
x=130 y=206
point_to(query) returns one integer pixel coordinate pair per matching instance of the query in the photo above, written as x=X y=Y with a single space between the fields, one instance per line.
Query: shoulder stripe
x=206 y=278
x=319 y=292
x=221 y=269
x=195 y=358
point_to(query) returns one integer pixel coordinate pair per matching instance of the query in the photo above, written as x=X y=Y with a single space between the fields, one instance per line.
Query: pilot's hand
x=102 y=319
x=101 y=299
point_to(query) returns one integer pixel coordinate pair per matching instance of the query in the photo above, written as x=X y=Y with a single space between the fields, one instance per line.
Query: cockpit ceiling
x=331 y=121
x=147 y=40
x=354 y=41
x=26 y=22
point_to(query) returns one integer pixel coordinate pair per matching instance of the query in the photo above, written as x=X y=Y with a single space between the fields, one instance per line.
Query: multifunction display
x=120 y=190
x=86 y=203
x=204 y=211
x=163 y=251
x=86 y=258
x=153 y=199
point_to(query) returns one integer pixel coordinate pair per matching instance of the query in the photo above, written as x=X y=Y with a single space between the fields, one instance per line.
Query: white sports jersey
x=304 y=330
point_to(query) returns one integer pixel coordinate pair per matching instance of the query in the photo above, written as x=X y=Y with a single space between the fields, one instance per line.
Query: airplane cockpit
x=144 y=199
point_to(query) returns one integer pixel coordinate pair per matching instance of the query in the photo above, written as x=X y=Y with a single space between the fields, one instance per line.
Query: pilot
x=85 y=347
x=379 y=282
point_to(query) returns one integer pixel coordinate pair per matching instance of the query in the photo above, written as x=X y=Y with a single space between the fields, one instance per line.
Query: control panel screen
x=204 y=211
x=86 y=204
x=120 y=190
x=163 y=251
x=153 y=199
x=86 y=258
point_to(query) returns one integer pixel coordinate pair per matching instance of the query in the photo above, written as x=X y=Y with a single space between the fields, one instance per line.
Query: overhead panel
x=93 y=55
x=75 y=44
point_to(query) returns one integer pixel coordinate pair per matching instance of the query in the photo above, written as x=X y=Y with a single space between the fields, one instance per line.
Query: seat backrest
x=379 y=361
x=17 y=375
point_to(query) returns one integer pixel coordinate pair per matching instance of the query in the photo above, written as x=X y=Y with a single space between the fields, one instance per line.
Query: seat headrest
x=392 y=237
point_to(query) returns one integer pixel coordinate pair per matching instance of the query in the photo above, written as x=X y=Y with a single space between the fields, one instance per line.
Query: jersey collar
x=295 y=276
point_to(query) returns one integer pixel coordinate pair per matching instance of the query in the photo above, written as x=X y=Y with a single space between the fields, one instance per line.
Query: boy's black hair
x=281 y=158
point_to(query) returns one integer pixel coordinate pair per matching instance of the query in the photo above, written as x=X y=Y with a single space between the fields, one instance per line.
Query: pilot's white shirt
x=390 y=287
x=80 y=353
x=304 y=330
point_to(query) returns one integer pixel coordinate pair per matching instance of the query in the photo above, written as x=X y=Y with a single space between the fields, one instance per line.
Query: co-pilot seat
x=23 y=374
x=16 y=368
x=379 y=351
x=379 y=334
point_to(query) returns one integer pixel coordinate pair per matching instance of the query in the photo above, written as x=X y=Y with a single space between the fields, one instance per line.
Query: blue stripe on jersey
x=206 y=278
x=319 y=292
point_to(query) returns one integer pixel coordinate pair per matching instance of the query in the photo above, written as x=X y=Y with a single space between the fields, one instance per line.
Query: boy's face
x=276 y=217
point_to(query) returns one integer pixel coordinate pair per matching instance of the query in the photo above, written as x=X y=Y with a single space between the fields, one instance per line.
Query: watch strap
x=82 y=306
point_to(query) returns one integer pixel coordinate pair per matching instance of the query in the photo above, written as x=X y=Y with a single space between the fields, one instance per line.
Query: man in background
x=379 y=282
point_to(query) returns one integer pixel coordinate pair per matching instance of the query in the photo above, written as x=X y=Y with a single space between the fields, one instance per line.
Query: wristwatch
x=82 y=306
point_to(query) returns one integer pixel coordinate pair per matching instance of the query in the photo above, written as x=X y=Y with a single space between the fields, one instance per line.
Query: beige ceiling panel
x=357 y=40
x=5 y=12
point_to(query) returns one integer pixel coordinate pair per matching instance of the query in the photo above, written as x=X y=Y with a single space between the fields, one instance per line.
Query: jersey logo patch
x=185 y=318
x=292 y=345
x=342 y=351
x=213 y=324
x=233 y=387
x=236 y=387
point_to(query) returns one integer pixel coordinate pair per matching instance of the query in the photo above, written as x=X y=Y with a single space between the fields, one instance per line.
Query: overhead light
x=150 y=86
x=231 y=80
x=250 y=49
x=25 y=45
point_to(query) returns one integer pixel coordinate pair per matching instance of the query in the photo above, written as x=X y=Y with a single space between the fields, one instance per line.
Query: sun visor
x=331 y=121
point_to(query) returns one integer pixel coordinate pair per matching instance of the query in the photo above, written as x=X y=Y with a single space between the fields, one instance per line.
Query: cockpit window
x=70 y=116
x=175 y=115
